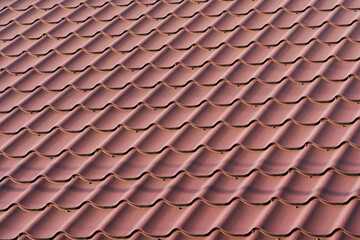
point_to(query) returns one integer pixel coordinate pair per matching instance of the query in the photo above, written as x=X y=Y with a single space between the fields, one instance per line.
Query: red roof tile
x=179 y=119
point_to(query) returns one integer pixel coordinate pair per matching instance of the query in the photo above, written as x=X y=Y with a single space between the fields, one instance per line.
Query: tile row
x=209 y=75
x=241 y=8
x=172 y=24
x=237 y=218
x=159 y=10
x=192 y=95
x=186 y=139
x=256 y=189
x=237 y=162
x=218 y=234
x=132 y=12
x=240 y=114
x=195 y=57
x=74 y=4
x=183 y=40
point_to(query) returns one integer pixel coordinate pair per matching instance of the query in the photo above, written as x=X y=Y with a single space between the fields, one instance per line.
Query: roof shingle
x=179 y=119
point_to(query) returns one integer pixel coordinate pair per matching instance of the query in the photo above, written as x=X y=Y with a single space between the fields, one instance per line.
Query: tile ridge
x=150 y=64
x=179 y=173
x=169 y=147
x=180 y=205
x=193 y=81
x=172 y=14
x=174 y=230
x=169 y=46
x=171 y=103
x=212 y=231
x=102 y=5
x=185 y=29
x=181 y=126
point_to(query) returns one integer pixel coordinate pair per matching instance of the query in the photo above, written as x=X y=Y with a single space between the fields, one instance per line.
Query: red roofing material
x=180 y=119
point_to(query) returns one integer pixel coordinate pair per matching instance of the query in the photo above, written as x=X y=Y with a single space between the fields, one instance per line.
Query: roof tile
x=179 y=119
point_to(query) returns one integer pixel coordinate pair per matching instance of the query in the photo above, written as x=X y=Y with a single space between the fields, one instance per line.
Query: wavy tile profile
x=245 y=6
x=273 y=113
x=118 y=223
x=179 y=77
x=222 y=137
x=182 y=40
x=192 y=95
x=168 y=59
x=183 y=190
x=237 y=162
x=133 y=10
x=172 y=23
x=179 y=119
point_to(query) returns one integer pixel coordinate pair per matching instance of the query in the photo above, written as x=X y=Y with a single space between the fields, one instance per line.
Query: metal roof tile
x=179 y=119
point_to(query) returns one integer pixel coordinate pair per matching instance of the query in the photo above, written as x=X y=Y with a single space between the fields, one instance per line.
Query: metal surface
x=180 y=119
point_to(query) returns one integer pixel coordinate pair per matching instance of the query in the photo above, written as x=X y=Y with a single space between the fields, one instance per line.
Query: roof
x=180 y=119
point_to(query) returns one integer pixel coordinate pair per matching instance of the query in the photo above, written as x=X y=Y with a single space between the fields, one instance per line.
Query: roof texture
x=180 y=119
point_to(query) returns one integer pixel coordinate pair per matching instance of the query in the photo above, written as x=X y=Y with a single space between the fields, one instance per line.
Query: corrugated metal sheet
x=180 y=119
